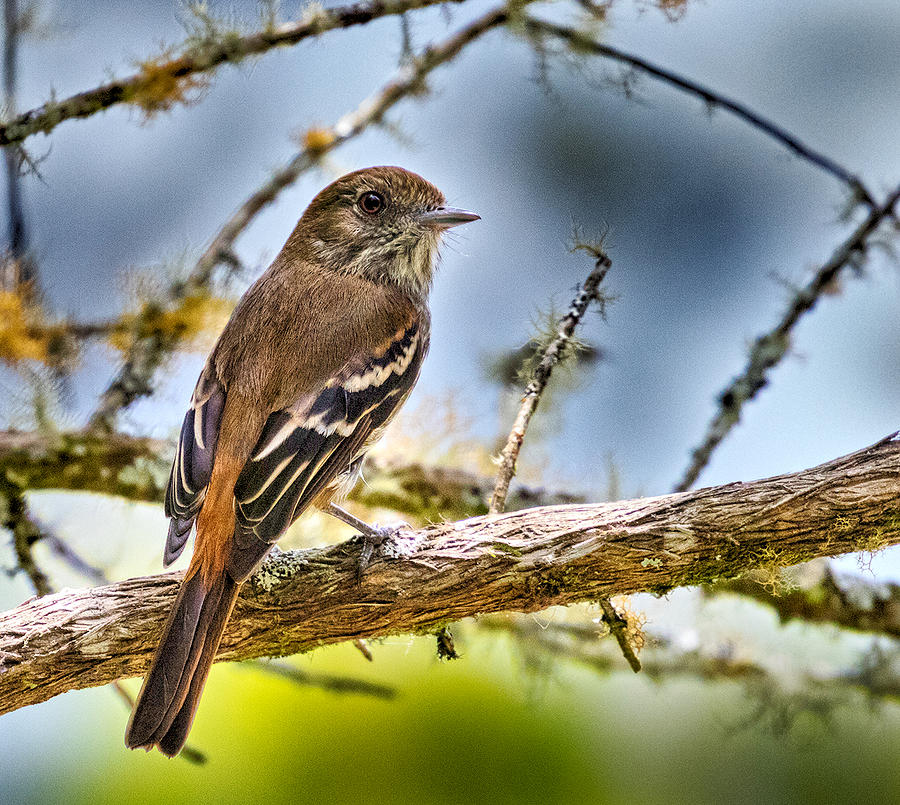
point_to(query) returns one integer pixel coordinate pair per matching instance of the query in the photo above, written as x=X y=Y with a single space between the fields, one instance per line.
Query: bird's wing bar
x=194 y=457
x=302 y=449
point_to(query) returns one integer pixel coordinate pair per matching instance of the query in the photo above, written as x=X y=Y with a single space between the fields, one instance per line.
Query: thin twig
x=770 y=348
x=582 y=42
x=618 y=626
x=22 y=268
x=133 y=379
x=535 y=388
x=200 y=58
x=532 y=396
x=363 y=648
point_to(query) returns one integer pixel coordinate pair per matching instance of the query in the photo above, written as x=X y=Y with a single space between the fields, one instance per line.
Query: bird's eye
x=371 y=203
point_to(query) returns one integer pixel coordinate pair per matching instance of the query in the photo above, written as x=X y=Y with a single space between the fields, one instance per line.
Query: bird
x=318 y=355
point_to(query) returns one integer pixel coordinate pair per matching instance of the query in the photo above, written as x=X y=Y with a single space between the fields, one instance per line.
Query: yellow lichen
x=20 y=339
x=193 y=322
x=317 y=140
x=160 y=85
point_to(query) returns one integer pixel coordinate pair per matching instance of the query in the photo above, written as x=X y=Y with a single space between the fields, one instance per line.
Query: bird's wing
x=304 y=448
x=194 y=456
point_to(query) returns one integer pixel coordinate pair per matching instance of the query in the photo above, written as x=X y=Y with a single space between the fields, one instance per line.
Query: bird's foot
x=377 y=539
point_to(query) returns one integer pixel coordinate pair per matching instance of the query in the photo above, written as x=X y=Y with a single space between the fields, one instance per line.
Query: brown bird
x=317 y=357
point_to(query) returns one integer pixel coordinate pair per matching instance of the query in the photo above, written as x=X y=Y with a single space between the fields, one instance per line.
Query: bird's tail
x=171 y=691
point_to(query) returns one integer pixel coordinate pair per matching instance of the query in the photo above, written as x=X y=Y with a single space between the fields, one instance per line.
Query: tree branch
x=770 y=348
x=142 y=87
x=552 y=354
x=137 y=468
x=581 y=42
x=25 y=532
x=525 y=561
x=792 y=692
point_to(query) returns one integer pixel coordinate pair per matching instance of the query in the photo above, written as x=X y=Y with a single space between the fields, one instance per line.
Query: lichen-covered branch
x=552 y=355
x=581 y=43
x=160 y=82
x=111 y=464
x=137 y=468
x=770 y=348
x=149 y=351
x=814 y=593
x=524 y=561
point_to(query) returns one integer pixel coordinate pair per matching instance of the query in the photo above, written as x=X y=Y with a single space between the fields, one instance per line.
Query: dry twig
x=770 y=348
x=552 y=354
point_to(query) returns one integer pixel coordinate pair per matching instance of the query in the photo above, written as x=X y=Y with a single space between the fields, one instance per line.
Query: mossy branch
x=816 y=594
x=163 y=82
x=523 y=561
x=137 y=468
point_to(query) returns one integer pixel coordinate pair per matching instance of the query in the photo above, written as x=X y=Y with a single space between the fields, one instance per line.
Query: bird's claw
x=374 y=540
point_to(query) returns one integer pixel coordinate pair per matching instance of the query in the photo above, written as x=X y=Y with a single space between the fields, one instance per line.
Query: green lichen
x=505 y=547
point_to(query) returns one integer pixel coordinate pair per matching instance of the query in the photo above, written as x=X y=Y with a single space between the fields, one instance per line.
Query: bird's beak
x=445 y=217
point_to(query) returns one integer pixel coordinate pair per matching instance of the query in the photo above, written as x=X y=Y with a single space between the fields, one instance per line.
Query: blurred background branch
x=581 y=42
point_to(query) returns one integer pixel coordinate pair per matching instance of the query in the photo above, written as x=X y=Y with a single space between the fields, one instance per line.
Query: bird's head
x=382 y=223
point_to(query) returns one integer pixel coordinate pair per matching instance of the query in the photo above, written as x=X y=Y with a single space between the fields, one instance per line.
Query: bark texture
x=525 y=560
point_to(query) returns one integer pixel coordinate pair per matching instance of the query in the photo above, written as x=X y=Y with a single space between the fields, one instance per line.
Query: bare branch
x=581 y=42
x=618 y=627
x=197 y=59
x=525 y=561
x=133 y=379
x=20 y=268
x=535 y=388
x=770 y=348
